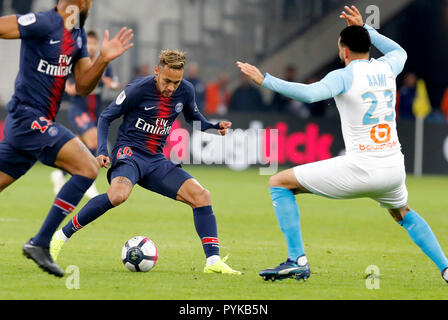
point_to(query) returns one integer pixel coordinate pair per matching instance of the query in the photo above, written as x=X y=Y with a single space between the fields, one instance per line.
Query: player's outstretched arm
x=88 y=73
x=394 y=54
x=196 y=116
x=332 y=85
x=9 y=28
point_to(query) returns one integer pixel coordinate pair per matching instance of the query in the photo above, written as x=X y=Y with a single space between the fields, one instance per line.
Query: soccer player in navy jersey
x=149 y=106
x=53 y=47
x=84 y=112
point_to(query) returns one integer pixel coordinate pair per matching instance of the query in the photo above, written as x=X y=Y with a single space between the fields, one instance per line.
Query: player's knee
x=275 y=182
x=201 y=198
x=117 y=197
x=91 y=169
x=92 y=145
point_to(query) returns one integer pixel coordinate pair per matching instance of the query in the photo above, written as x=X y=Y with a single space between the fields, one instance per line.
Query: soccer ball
x=139 y=254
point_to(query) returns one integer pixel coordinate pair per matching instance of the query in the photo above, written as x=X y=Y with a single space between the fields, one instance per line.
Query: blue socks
x=205 y=224
x=422 y=235
x=91 y=211
x=65 y=203
x=288 y=217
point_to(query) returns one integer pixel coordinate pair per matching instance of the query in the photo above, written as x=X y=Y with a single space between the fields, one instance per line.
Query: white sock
x=213 y=259
x=61 y=236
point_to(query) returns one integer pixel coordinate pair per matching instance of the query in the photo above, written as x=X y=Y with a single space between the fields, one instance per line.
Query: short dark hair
x=92 y=34
x=356 y=38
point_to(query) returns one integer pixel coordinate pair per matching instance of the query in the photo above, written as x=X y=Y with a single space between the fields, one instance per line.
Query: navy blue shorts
x=79 y=117
x=152 y=172
x=30 y=137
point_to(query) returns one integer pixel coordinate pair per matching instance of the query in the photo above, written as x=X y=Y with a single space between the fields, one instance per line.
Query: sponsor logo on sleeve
x=121 y=98
x=27 y=19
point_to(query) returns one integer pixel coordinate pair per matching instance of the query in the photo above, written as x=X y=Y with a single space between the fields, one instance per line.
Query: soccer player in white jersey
x=373 y=166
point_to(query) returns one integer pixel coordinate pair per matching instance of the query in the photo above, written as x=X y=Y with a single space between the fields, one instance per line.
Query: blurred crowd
x=18 y=6
x=221 y=96
x=216 y=97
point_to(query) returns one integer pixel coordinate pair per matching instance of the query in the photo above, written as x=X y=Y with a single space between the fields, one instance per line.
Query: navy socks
x=91 y=211
x=65 y=203
x=205 y=224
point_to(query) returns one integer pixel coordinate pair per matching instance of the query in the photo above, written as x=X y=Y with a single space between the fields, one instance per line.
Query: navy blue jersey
x=47 y=56
x=148 y=116
x=91 y=104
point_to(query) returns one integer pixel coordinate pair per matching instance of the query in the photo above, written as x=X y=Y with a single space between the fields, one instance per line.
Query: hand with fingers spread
x=352 y=16
x=113 y=48
x=252 y=72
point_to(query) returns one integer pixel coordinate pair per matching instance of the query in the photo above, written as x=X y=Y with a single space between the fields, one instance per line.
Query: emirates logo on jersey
x=62 y=70
x=160 y=127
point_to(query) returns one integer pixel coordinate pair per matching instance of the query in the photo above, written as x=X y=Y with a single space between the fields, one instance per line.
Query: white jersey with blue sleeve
x=365 y=95
x=364 y=91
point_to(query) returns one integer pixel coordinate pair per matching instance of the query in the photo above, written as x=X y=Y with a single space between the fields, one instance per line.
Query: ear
x=347 y=53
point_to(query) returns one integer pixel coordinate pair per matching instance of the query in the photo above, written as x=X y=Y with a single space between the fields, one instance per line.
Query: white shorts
x=381 y=178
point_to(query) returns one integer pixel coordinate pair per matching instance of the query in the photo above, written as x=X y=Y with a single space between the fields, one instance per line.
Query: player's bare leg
x=283 y=186
x=58 y=176
x=119 y=191
x=198 y=198
x=422 y=235
x=193 y=194
x=76 y=159
x=5 y=181
x=287 y=179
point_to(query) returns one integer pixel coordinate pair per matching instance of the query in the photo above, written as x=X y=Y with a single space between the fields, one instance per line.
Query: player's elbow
x=307 y=98
x=403 y=54
x=82 y=90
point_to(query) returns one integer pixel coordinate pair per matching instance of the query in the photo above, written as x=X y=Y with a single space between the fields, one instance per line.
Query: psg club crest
x=179 y=107
x=53 y=131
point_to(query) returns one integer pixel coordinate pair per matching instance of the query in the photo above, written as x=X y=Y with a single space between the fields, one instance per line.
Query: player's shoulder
x=186 y=87
x=141 y=82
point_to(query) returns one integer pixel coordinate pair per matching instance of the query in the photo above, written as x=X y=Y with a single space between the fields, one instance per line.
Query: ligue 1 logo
x=79 y=41
x=179 y=107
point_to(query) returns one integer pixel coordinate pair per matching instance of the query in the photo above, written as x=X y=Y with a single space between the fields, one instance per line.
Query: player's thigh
x=288 y=180
x=336 y=178
x=166 y=179
x=76 y=159
x=90 y=138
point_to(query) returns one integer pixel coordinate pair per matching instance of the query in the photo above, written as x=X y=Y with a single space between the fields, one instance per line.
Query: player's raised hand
x=252 y=72
x=113 y=48
x=352 y=16
x=224 y=127
x=103 y=161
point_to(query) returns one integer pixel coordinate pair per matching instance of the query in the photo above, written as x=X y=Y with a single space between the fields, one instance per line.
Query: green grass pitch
x=342 y=238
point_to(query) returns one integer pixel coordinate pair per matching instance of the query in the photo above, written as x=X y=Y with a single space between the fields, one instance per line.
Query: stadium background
x=292 y=39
